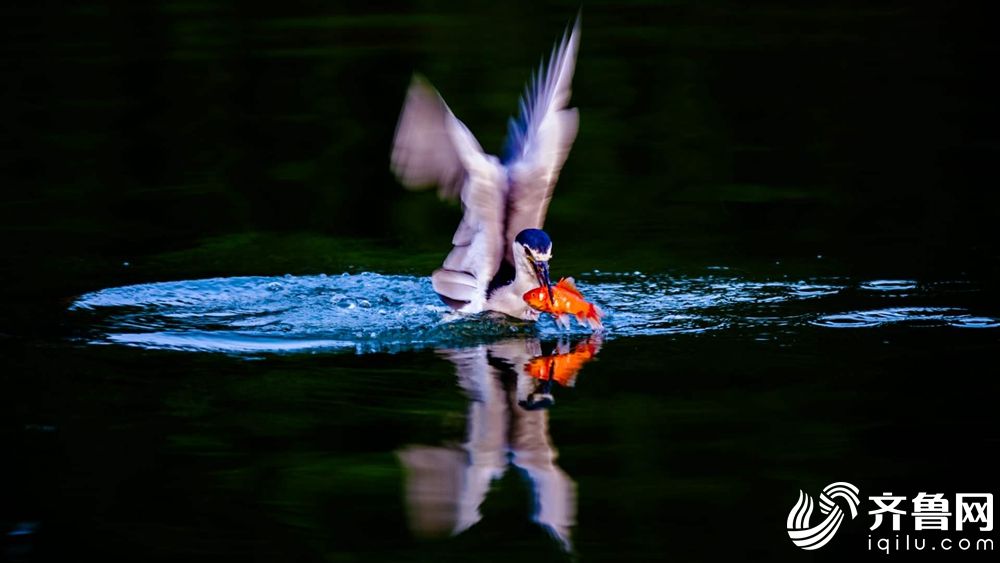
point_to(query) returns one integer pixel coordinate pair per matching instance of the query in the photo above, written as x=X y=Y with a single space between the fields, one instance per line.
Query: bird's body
x=499 y=250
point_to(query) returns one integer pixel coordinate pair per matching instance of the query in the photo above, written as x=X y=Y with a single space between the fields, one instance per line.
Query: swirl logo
x=815 y=537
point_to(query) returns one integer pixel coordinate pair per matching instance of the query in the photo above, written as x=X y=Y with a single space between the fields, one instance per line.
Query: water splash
x=371 y=312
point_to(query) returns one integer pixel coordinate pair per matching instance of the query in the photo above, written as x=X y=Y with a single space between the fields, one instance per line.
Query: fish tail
x=594 y=315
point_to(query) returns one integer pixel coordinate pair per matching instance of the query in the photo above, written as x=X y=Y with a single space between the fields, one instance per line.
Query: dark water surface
x=266 y=419
x=218 y=339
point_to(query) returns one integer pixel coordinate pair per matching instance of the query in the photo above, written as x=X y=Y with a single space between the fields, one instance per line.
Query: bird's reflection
x=510 y=386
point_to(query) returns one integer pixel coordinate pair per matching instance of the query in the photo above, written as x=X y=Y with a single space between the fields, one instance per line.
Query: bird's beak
x=542 y=273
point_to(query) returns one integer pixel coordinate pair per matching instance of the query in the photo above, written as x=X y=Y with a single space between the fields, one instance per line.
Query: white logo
x=819 y=535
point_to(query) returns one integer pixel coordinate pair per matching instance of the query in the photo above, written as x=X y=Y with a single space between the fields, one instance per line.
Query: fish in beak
x=541 y=268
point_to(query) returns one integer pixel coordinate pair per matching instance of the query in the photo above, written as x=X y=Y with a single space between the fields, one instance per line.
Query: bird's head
x=532 y=252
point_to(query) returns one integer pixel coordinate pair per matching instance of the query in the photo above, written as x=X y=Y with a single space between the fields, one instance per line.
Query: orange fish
x=564 y=299
x=562 y=368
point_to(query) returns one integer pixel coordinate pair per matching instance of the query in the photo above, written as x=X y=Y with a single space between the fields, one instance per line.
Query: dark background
x=866 y=132
x=148 y=141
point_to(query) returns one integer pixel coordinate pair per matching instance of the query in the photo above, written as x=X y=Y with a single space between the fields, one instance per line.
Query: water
x=536 y=441
x=371 y=312
x=323 y=415
x=350 y=413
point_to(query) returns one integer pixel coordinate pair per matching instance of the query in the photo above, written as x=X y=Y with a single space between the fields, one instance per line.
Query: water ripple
x=917 y=316
x=372 y=312
x=888 y=285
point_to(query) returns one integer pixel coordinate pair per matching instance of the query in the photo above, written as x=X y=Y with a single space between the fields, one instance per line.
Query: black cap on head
x=535 y=239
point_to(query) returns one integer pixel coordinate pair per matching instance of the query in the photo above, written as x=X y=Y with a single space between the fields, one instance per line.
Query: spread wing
x=539 y=140
x=432 y=147
x=423 y=154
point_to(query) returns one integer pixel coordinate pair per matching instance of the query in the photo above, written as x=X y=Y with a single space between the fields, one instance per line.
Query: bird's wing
x=423 y=154
x=433 y=147
x=539 y=140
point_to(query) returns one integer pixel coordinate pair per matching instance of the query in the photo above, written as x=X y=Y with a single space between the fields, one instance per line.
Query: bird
x=499 y=249
x=507 y=426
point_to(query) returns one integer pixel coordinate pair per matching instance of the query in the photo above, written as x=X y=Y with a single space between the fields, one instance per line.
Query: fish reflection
x=510 y=386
